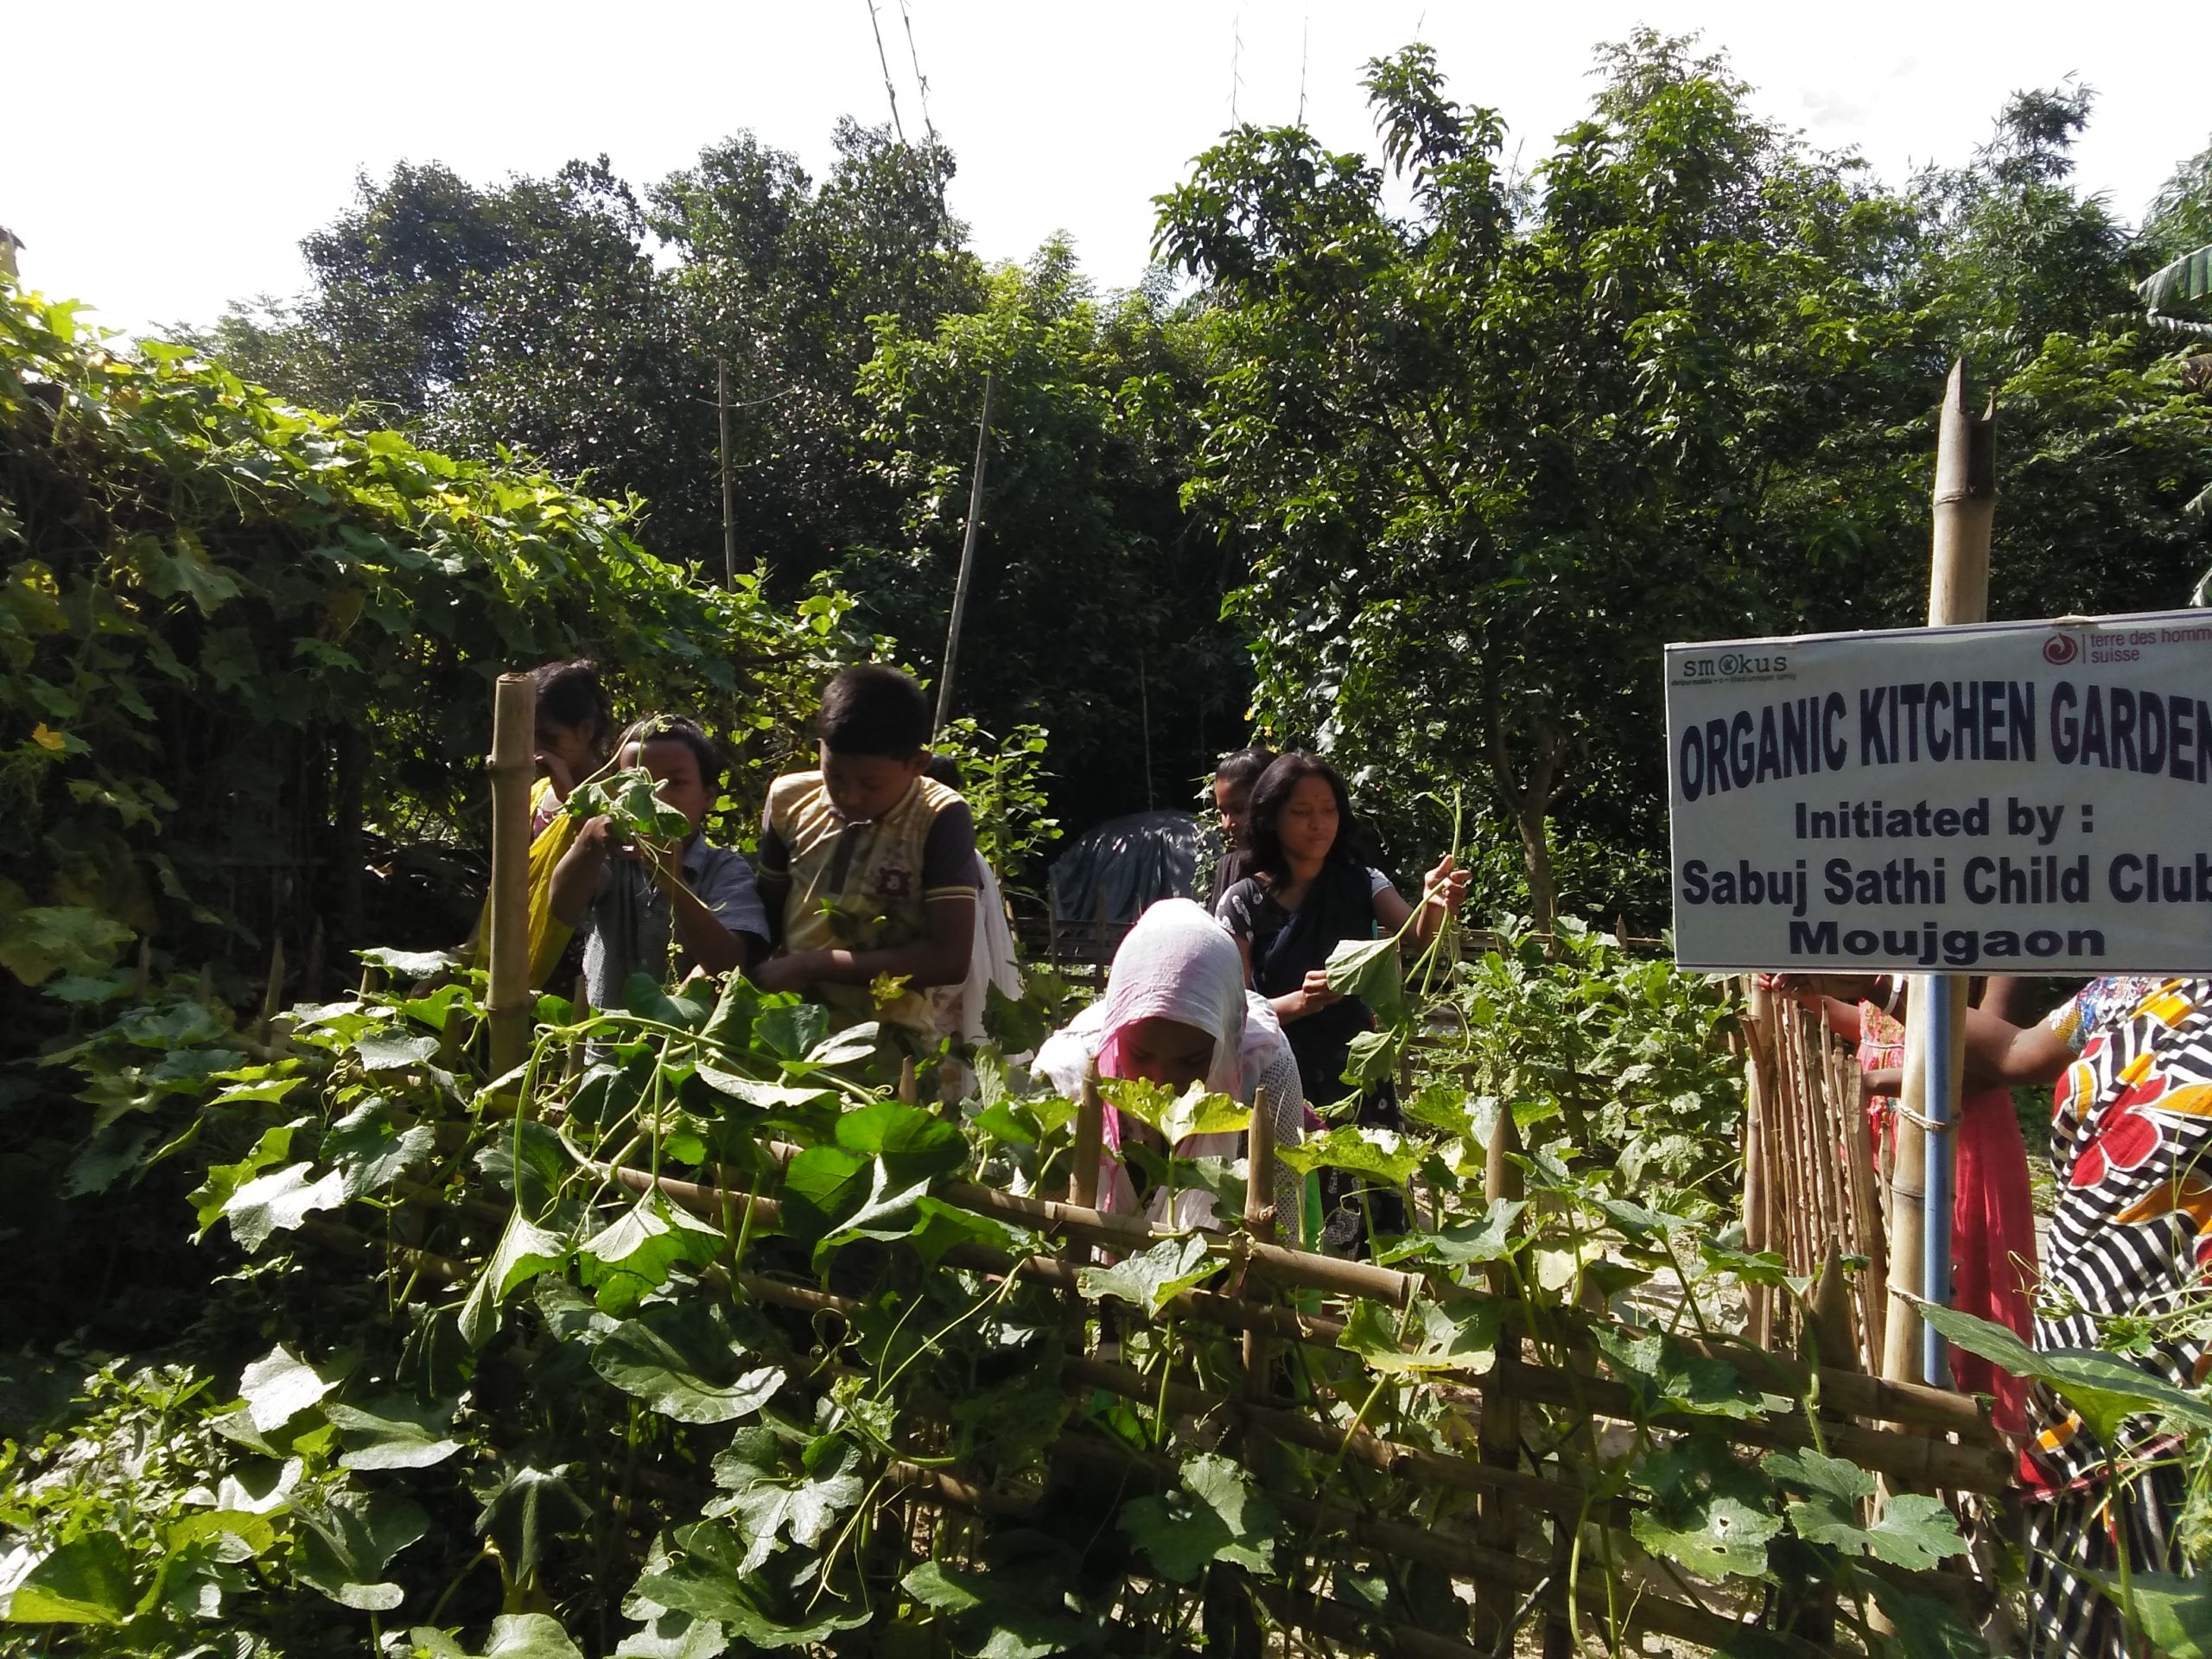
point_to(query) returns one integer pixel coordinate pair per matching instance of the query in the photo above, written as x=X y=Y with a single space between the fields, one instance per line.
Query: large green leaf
x=1707 y=1511
x=625 y=1261
x=39 y=942
x=2173 y=1611
x=1152 y=1277
x=1457 y=1336
x=524 y=1506
x=770 y=1504
x=674 y=1635
x=279 y=1202
x=1909 y=1531
x=1665 y=1377
x=349 y=1540
x=1177 y=1116
x=393 y=1433
x=1367 y=969
x=279 y=1386
x=683 y=1367
x=86 y=1581
x=369 y=1151
x=1214 y=1514
x=2105 y=1388
x=525 y=1250
x=1383 y=1154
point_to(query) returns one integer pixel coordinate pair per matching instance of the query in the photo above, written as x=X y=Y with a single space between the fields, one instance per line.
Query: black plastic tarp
x=1131 y=862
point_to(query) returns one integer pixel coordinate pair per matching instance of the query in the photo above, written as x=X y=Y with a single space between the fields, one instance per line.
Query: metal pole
x=729 y=517
x=966 y=564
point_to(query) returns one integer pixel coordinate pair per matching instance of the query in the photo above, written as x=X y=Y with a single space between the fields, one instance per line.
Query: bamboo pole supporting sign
x=1965 y=508
x=509 y=1004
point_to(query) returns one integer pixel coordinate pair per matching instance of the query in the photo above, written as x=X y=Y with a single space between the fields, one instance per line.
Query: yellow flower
x=46 y=738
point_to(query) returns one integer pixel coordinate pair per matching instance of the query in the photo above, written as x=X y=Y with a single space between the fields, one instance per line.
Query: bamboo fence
x=1528 y=1509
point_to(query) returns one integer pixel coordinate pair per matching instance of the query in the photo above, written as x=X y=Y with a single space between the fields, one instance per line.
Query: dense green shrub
x=246 y=651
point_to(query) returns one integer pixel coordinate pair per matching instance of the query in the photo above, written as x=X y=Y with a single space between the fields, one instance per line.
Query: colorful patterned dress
x=2131 y=1130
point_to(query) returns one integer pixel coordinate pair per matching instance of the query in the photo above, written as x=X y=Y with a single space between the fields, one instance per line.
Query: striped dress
x=2131 y=1130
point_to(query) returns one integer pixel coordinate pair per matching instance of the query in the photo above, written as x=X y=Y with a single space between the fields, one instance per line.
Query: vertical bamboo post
x=1965 y=507
x=1260 y=1227
x=1498 y=1435
x=514 y=727
x=1089 y=1137
x=1758 y=1299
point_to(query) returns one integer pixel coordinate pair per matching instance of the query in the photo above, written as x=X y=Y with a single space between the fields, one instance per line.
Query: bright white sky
x=201 y=141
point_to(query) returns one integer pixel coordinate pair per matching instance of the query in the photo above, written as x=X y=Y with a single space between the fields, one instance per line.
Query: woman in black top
x=1309 y=893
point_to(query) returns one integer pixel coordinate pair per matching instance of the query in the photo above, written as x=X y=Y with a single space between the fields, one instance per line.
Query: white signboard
x=2018 y=798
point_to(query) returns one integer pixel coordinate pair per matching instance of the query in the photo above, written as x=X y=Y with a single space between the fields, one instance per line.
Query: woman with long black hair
x=1310 y=890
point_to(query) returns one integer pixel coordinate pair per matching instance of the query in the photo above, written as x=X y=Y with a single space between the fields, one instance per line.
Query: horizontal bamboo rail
x=1840 y=1390
x=1438 y=1545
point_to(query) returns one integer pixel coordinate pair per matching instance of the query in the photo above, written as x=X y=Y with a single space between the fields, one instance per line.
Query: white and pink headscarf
x=1177 y=963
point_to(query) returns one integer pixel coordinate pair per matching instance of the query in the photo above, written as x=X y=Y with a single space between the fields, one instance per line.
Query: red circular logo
x=2060 y=648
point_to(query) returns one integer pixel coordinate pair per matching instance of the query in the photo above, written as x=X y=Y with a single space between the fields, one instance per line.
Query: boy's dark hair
x=570 y=694
x=681 y=728
x=944 y=769
x=1272 y=793
x=872 y=709
x=1241 y=768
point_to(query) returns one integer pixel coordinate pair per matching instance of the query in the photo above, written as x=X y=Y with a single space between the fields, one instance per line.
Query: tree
x=1095 y=603
x=1496 y=452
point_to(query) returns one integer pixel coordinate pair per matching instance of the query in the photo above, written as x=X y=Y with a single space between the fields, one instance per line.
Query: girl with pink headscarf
x=1176 y=1013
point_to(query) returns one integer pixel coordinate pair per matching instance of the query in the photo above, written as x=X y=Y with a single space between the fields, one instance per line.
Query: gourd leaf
x=524 y=1506
x=393 y=1433
x=1707 y=1511
x=1490 y=1239
x=1456 y=1336
x=1152 y=1277
x=677 y=1362
x=706 y=1583
x=1665 y=1377
x=370 y=1152
x=1383 y=1154
x=1371 y=1057
x=85 y=1581
x=768 y=1096
x=530 y=1636
x=1214 y=1514
x=673 y=1635
x=411 y=965
x=349 y=1540
x=394 y=1048
x=770 y=1506
x=789 y=1028
x=279 y=1386
x=213 y=1197
x=1367 y=969
x=2174 y=1613
x=1910 y=1531
x=630 y=798
x=525 y=1250
x=278 y=1203
x=623 y=1263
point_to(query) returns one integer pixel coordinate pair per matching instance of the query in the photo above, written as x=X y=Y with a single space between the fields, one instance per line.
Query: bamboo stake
x=967 y=561
x=1089 y=1138
x=508 y=1002
x=1260 y=1228
x=1964 y=508
x=1758 y=1299
x=1497 y=1434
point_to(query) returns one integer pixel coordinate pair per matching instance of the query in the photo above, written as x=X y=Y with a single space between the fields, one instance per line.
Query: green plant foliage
x=235 y=633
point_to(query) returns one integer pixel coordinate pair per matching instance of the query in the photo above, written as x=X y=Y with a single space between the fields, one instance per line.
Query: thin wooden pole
x=730 y=513
x=1497 y=1432
x=514 y=723
x=1758 y=1302
x=1260 y=1227
x=967 y=561
x=1965 y=508
x=1089 y=1137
